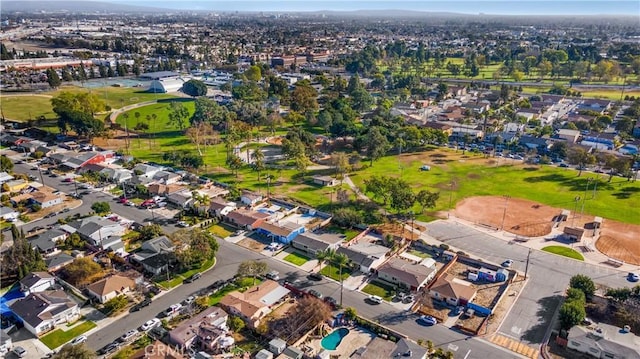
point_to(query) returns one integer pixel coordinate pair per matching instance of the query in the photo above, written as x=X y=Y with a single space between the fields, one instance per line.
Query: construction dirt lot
x=531 y=219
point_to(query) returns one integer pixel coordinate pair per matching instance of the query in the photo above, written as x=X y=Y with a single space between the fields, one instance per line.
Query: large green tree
x=194 y=88
x=252 y=268
x=376 y=143
x=53 y=79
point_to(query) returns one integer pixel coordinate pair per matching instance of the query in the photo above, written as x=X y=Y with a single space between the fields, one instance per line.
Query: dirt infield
x=530 y=219
x=521 y=217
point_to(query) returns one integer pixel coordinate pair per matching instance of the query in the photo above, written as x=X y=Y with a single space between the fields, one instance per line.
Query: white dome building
x=166 y=85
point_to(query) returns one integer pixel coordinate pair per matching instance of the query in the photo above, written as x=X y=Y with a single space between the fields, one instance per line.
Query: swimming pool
x=331 y=341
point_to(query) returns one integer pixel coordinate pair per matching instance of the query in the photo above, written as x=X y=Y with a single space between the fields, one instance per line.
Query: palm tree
x=326 y=256
x=200 y=200
x=341 y=260
x=258 y=161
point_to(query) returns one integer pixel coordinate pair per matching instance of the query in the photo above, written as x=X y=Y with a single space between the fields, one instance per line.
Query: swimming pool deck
x=356 y=338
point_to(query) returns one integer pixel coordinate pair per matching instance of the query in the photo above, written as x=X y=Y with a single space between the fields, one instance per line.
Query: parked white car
x=150 y=324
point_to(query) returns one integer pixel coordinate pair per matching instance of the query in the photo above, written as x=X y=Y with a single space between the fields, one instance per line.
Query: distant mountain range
x=371 y=8
x=30 y=6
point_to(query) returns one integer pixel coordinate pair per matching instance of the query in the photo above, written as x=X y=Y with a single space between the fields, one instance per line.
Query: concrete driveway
x=33 y=346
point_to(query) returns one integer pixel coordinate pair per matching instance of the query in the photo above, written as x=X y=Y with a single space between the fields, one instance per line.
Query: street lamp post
x=584 y=198
x=450 y=197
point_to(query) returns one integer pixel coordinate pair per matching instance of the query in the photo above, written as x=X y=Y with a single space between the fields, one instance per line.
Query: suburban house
x=326 y=181
x=166 y=177
x=46 y=242
x=57 y=261
x=218 y=207
x=5 y=177
x=36 y=282
x=571 y=136
x=538 y=143
x=8 y=213
x=118 y=175
x=96 y=230
x=159 y=263
x=281 y=232
x=310 y=243
x=82 y=159
x=367 y=256
x=250 y=199
x=154 y=247
x=452 y=290
x=43 y=311
x=110 y=287
x=145 y=170
x=45 y=198
x=16 y=185
x=408 y=275
x=405 y=347
x=181 y=199
x=605 y=341
x=246 y=218
x=256 y=302
x=206 y=328
x=159 y=189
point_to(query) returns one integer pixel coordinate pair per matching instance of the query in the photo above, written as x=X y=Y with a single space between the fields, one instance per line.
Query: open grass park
x=564 y=251
x=453 y=174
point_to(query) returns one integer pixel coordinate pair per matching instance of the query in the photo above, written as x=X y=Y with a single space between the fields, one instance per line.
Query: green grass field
x=26 y=107
x=474 y=175
x=58 y=337
x=296 y=258
x=564 y=251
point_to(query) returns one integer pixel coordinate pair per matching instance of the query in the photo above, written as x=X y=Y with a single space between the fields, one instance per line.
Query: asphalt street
x=228 y=259
x=548 y=275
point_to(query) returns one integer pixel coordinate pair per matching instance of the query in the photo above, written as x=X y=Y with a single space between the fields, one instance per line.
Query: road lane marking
x=466 y=355
x=452 y=347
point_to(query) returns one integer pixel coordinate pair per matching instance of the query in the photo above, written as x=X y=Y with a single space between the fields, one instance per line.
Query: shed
x=277 y=346
x=573 y=233
x=597 y=222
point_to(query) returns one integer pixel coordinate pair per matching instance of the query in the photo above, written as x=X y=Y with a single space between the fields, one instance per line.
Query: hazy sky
x=511 y=7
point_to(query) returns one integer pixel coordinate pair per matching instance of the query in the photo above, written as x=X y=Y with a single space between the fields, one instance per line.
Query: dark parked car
x=109 y=348
x=52 y=214
x=332 y=302
x=315 y=276
x=193 y=277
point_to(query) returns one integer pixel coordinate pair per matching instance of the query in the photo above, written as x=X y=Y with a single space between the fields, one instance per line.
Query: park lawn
x=220 y=230
x=475 y=175
x=58 y=337
x=297 y=259
x=117 y=97
x=333 y=272
x=564 y=251
x=24 y=108
x=382 y=290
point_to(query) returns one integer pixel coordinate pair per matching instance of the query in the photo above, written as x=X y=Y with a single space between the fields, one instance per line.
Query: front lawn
x=220 y=230
x=333 y=272
x=382 y=290
x=418 y=253
x=297 y=259
x=564 y=251
x=58 y=337
x=180 y=277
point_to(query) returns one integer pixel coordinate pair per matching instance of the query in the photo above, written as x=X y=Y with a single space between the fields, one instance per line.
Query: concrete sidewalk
x=586 y=247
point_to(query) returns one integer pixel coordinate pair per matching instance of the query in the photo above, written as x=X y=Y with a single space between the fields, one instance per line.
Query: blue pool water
x=331 y=341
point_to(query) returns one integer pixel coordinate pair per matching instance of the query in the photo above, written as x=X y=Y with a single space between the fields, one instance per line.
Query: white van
x=375 y=299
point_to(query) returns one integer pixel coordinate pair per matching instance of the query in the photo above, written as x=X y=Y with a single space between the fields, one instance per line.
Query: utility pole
x=526 y=268
x=450 y=196
x=575 y=210
x=504 y=213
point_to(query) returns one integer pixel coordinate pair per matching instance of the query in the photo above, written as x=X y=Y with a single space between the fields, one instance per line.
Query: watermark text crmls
x=161 y=349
